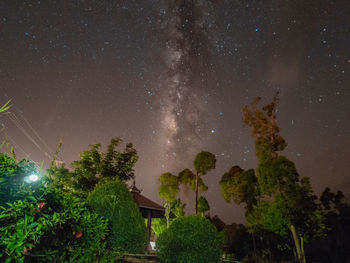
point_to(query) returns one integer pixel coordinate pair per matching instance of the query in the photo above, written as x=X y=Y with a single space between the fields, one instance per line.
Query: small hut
x=148 y=208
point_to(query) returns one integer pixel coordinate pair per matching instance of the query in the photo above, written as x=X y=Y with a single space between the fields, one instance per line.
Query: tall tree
x=203 y=163
x=188 y=179
x=168 y=190
x=287 y=203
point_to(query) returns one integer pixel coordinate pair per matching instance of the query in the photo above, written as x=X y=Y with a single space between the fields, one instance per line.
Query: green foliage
x=204 y=162
x=112 y=199
x=87 y=169
x=190 y=239
x=287 y=203
x=270 y=215
x=188 y=179
x=203 y=205
x=5 y=107
x=169 y=186
x=168 y=189
x=178 y=208
x=276 y=174
x=60 y=177
x=159 y=225
x=38 y=219
x=95 y=165
x=59 y=228
x=240 y=186
x=13 y=183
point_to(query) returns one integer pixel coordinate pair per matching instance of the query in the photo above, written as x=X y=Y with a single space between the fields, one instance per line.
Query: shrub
x=190 y=239
x=112 y=199
x=42 y=223
x=57 y=228
x=13 y=185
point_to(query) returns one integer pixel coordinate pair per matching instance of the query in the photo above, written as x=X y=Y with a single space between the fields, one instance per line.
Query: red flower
x=25 y=249
x=41 y=205
x=78 y=234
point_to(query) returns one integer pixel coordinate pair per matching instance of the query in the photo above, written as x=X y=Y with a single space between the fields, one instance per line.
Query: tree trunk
x=254 y=246
x=302 y=249
x=300 y=254
x=196 y=192
x=167 y=213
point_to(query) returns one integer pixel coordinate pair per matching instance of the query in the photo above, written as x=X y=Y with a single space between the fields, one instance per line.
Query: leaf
x=6 y=106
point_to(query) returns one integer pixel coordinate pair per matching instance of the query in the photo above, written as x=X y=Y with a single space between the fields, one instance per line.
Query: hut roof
x=146 y=204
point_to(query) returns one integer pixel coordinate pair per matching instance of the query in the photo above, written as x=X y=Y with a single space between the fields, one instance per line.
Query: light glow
x=33 y=177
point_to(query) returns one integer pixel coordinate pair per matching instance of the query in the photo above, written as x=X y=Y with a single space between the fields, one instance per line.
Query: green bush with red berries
x=43 y=223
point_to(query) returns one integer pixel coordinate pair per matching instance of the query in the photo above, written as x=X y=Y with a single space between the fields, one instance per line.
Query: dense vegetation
x=191 y=239
x=44 y=222
x=83 y=215
x=87 y=213
x=113 y=200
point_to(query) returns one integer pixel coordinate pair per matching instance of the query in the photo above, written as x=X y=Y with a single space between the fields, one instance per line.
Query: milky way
x=172 y=77
x=186 y=59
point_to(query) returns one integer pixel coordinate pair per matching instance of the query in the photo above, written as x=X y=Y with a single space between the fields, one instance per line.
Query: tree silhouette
x=203 y=163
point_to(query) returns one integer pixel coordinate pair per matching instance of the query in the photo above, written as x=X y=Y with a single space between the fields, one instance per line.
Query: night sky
x=172 y=77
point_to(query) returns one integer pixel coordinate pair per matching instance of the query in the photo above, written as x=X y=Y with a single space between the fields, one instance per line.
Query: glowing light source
x=33 y=178
x=153 y=245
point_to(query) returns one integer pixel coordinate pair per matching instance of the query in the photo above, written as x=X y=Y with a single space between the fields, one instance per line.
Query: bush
x=112 y=199
x=43 y=223
x=13 y=185
x=57 y=228
x=190 y=239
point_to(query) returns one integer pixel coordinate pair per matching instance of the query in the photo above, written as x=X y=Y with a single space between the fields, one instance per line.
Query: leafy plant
x=112 y=199
x=43 y=221
x=190 y=239
x=6 y=106
x=59 y=226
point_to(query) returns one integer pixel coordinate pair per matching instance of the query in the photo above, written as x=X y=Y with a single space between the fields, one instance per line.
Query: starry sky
x=172 y=76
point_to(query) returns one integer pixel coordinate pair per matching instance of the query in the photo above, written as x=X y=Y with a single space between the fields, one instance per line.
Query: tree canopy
x=204 y=162
x=276 y=199
x=95 y=165
x=240 y=186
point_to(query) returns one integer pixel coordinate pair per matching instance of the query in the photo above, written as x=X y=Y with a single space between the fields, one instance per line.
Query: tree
x=168 y=190
x=203 y=205
x=112 y=199
x=336 y=242
x=189 y=180
x=240 y=186
x=190 y=239
x=287 y=203
x=203 y=163
x=95 y=165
